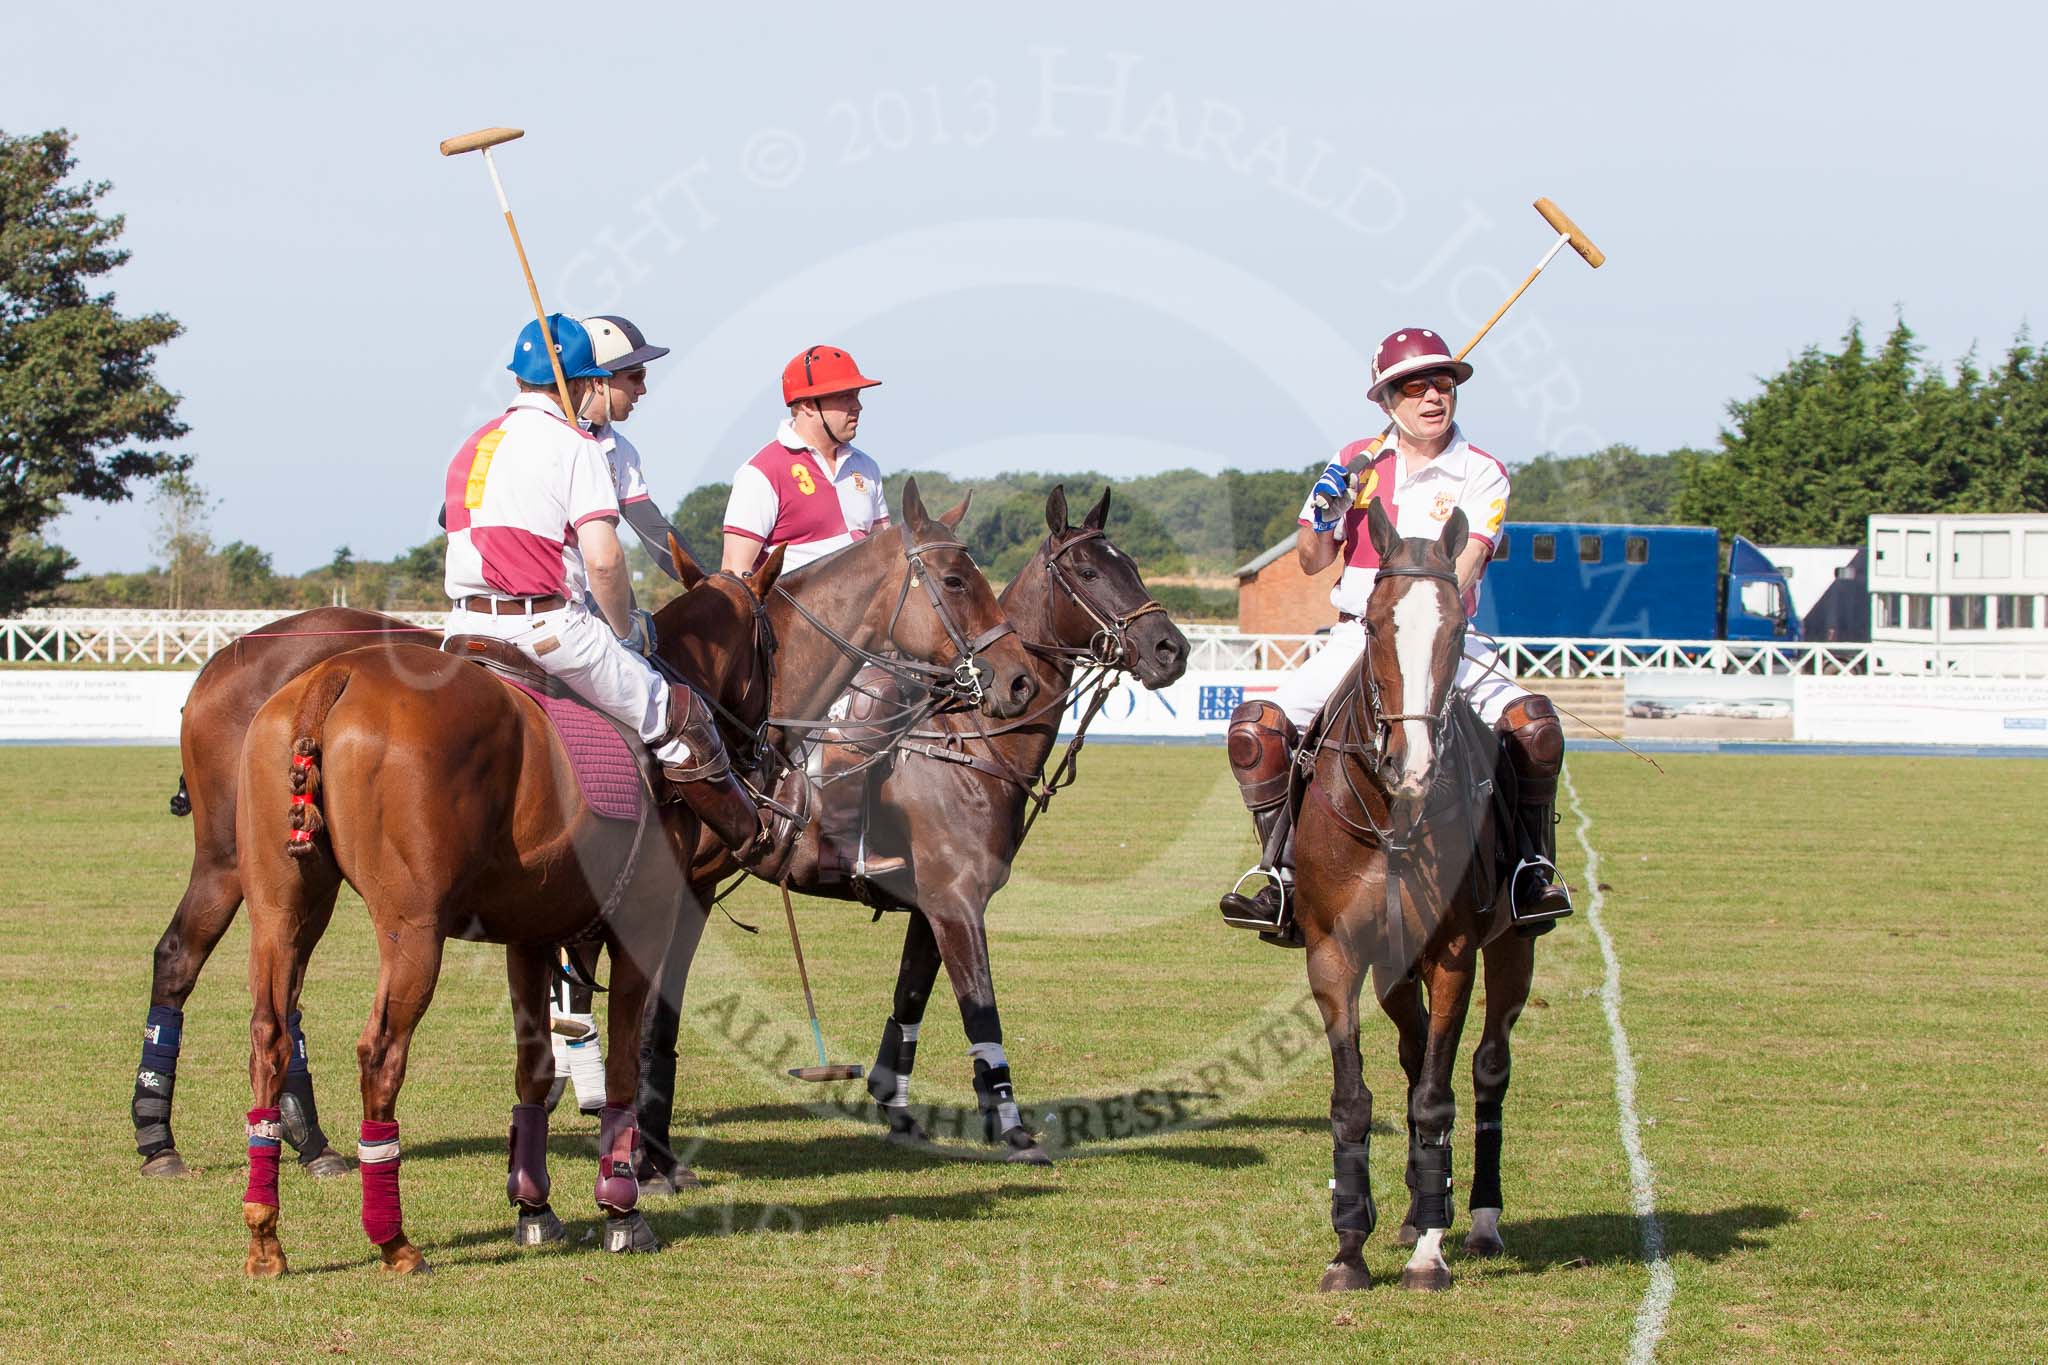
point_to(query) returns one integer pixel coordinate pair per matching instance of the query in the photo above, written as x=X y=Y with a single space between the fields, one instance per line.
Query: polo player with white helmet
x=1424 y=473
x=531 y=514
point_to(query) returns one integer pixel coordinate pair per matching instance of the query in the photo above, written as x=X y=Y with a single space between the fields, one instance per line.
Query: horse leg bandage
x=617 y=1187
x=1351 y=1206
x=301 y=1114
x=889 y=1079
x=1429 y=1176
x=378 y=1153
x=526 y=1183
x=1486 y=1159
x=992 y=1088
x=265 y=1131
x=155 y=1079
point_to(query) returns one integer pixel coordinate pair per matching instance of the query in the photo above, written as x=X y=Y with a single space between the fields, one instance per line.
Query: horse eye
x=955 y=583
x=1090 y=575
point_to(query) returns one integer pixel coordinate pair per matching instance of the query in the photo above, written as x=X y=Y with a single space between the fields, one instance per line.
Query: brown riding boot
x=706 y=783
x=1261 y=746
x=1534 y=741
x=842 y=856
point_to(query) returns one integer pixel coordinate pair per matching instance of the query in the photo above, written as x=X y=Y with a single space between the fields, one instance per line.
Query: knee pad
x=1534 y=740
x=1261 y=745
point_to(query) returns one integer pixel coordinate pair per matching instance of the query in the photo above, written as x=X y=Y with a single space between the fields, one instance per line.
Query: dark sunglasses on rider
x=636 y=375
x=1414 y=386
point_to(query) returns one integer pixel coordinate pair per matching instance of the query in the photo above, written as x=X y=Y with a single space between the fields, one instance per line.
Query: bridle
x=1378 y=717
x=1108 y=647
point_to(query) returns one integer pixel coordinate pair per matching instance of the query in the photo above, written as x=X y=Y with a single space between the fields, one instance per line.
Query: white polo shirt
x=783 y=496
x=623 y=459
x=1420 y=501
x=515 y=494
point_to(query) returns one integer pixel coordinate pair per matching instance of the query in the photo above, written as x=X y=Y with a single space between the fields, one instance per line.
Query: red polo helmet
x=820 y=371
x=1407 y=351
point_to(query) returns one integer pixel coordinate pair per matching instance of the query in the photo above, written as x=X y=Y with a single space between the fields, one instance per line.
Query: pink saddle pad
x=607 y=771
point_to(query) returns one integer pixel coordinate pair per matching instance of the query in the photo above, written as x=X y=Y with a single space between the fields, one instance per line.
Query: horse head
x=947 y=614
x=716 y=634
x=1415 y=634
x=1099 y=603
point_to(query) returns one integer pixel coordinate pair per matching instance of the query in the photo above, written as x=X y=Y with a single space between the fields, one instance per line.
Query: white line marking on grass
x=1655 y=1309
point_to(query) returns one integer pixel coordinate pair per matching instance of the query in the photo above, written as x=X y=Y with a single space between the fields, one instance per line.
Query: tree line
x=1828 y=440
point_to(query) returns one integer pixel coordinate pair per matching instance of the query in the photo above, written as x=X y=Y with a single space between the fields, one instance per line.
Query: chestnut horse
x=1386 y=878
x=224 y=697
x=442 y=797
x=956 y=798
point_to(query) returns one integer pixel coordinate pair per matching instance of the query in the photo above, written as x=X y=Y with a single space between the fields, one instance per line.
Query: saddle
x=614 y=770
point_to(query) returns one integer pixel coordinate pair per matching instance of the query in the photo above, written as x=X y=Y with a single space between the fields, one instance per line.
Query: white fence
x=168 y=638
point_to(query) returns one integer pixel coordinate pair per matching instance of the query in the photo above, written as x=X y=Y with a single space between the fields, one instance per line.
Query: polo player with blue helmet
x=532 y=518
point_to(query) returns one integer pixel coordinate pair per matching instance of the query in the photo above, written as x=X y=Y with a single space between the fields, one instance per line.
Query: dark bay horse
x=444 y=799
x=224 y=698
x=957 y=795
x=1387 y=879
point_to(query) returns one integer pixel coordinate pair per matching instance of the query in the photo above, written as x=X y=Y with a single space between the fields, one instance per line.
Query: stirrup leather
x=1283 y=884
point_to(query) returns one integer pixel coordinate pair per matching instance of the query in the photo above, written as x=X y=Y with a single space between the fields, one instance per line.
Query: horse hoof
x=1021 y=1147
x=328 y=1165
x=265 y=1260
x=666 y=1184
x=165 y=1165
x=1433 y=1279
x=1484 y=1246
x=403 y=1258
x=265 y=1264
x=1407 y=1236
x=1341 y=1277
x=907 y=1132
x=629 y=1234
x=538 y=1227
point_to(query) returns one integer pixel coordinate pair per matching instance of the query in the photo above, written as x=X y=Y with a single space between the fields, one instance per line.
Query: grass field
x=1834 y=979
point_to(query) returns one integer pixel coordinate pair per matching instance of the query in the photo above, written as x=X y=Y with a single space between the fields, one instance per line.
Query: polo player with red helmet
x=812 y=490
x=1424 y=473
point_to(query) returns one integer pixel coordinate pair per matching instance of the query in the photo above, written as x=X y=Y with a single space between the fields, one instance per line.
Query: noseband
x=1108 y=647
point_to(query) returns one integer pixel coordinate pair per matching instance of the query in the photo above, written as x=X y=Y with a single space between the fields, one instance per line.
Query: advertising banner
x=1921 y=710
x=45 y=705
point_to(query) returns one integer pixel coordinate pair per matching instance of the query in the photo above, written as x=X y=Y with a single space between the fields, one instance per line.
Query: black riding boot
x=1265 y=909
x=1540 y=896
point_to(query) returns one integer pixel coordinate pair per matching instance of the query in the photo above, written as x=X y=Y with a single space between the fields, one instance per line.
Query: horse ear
x=1456 y=531
x=762 y=580
x=952 y=518
x=688 y=571
x=915 y=518
x=1380 y=526
x=1098 y=515
x=1056 y=510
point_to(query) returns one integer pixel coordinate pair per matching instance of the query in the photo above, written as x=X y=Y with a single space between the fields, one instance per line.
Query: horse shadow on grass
x=1578 y=1240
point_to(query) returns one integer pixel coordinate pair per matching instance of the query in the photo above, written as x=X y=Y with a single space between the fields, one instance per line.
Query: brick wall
x=1281 y=600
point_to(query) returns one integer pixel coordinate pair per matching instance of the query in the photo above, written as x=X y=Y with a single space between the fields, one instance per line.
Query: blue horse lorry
x=1565 y=580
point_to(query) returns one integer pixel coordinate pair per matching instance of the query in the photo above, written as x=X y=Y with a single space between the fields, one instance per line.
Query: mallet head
x=481 y=138
x=1552 y=215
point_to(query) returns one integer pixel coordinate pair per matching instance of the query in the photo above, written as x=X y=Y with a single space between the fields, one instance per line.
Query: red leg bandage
x=266 y=1129
x=378 y=1152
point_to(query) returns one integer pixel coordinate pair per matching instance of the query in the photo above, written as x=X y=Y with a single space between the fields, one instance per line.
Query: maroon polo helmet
x=1408 y=351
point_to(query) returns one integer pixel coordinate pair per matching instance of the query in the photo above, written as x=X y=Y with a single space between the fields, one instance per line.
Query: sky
x=1122 y=238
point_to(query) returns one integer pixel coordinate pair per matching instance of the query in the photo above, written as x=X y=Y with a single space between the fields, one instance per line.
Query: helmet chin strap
x=604 y=417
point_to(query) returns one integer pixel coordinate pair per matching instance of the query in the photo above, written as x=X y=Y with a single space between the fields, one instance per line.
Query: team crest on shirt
x=859 y=484
x=1441 y=509
x=805 y=484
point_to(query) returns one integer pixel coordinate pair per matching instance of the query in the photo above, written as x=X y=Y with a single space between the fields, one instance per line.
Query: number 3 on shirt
x=805 y=484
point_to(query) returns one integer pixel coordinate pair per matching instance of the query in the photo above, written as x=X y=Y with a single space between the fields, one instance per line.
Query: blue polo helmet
x=572 y=344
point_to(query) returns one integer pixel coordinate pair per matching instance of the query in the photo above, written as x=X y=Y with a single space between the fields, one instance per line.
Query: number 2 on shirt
x=480 y=469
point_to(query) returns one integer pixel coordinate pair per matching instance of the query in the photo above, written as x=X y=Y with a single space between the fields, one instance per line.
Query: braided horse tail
x=321 y=693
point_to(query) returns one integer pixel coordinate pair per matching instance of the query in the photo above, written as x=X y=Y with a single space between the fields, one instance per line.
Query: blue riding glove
x=1330 y=498
x=639 y=637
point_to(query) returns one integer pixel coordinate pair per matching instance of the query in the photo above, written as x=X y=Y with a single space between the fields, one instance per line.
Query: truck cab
x=1756 y=602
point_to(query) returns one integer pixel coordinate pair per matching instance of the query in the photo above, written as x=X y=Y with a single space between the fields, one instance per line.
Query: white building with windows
x=1951 y=579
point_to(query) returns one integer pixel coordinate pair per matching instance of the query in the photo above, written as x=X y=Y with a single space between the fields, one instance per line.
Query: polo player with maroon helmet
x=812 y=490
x=1427 y=471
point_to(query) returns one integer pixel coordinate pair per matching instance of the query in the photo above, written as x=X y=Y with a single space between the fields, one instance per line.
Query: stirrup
x=1283 y=885
x=1520 y=917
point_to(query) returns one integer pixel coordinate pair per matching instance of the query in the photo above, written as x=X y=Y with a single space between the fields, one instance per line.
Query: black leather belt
x=512 y=606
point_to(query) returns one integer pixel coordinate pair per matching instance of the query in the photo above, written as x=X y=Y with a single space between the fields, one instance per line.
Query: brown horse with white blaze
x=1390 y=877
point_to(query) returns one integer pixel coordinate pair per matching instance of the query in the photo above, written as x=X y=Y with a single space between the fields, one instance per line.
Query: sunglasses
x=636 y=375
x=1443 y=381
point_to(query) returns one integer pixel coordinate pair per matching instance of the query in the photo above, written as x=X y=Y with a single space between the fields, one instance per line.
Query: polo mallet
x=824 y=1070
x=1568 y=234
x=482 y=140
